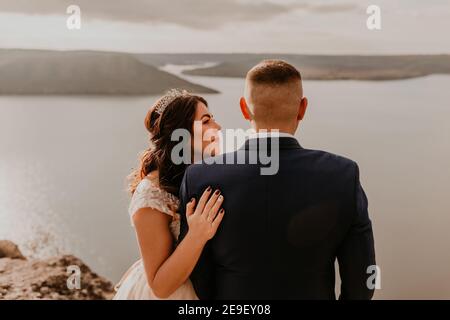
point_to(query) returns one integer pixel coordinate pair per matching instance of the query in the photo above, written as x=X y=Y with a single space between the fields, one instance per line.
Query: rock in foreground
x=47 y=279
x=9 y=249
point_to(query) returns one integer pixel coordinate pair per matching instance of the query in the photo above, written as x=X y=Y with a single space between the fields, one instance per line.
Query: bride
x=163 y=270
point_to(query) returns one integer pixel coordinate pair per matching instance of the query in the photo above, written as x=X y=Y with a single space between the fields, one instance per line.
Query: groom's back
x=282 y=233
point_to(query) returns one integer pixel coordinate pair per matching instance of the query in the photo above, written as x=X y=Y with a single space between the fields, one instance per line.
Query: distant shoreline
x=323 y=67
x=91 y=73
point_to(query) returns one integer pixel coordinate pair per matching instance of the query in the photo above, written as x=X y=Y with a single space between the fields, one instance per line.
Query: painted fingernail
x=208 y=189
x=217 y=192
x=222 y=211
x=192 y=200
x=220 y=198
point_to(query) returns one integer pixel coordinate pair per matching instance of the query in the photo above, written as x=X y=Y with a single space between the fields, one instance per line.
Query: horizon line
x=229 y=53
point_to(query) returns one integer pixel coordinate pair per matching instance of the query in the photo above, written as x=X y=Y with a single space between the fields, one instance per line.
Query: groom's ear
x=244 y=108
x=302 y=108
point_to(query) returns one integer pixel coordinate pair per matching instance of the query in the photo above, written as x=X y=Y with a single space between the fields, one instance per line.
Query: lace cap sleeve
x=149 y=195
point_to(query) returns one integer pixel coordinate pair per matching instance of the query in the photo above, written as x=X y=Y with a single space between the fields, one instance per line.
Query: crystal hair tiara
x=168 y=98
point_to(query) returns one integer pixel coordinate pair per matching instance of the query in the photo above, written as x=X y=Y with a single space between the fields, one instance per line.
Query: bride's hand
x=204 y=219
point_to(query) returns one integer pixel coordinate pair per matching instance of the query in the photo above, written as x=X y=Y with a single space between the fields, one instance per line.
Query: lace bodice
x=149 y=195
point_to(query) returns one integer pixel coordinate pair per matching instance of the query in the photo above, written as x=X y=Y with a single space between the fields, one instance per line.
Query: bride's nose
x=217 y=126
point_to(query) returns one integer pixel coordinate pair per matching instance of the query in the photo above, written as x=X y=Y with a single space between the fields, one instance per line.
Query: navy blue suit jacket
x=282 y=233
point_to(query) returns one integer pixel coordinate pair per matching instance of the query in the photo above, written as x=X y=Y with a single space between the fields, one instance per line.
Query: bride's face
x=206 y=132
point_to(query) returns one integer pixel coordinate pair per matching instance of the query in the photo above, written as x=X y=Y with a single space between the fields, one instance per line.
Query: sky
x=265 y=26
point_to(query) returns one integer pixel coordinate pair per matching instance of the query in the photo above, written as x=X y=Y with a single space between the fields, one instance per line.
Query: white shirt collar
x=271 y=134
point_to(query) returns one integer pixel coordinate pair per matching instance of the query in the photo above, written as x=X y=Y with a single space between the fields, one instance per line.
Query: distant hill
x=26 y=72
x=40 y=72
x=314 y=67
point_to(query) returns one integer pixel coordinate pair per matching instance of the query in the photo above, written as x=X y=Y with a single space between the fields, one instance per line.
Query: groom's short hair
x=273 y=92
x=273 y=72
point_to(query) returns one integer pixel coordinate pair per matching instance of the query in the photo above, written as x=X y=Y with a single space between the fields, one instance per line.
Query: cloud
x=332 y=8
x=189 y=13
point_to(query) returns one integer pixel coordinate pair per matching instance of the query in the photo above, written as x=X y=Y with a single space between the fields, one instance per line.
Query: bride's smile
x=206 y=133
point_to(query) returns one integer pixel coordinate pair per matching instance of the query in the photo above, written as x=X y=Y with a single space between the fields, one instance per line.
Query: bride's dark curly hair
x=180 y=113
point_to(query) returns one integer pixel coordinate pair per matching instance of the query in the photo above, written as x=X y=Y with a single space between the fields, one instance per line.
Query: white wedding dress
x=134 y=285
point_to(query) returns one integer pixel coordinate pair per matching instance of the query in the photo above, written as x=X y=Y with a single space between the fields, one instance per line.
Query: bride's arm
x=167 y=269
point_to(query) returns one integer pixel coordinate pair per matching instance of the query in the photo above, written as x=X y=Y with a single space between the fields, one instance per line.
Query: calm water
x=63 y=161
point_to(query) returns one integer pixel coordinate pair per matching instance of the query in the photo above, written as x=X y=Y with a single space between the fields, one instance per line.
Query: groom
x=282 y=233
